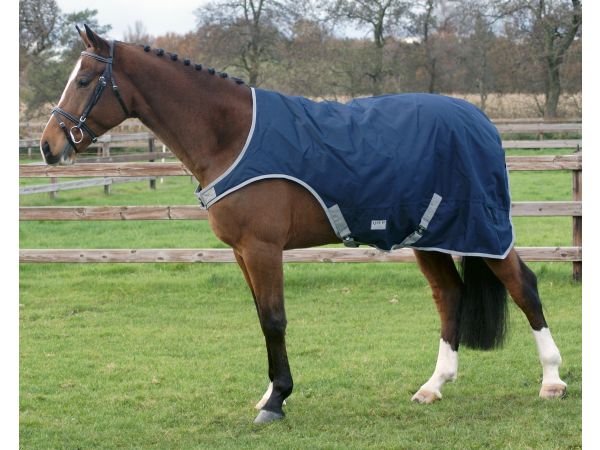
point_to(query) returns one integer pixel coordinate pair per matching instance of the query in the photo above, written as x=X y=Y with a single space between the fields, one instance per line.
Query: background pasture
x=171 y=356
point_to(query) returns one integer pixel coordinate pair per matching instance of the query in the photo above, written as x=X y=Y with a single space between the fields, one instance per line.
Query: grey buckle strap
x=337 y=218
x=205 y=196
x=427 y=216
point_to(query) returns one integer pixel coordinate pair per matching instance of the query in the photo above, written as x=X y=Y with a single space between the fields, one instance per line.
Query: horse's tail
x=482 y=322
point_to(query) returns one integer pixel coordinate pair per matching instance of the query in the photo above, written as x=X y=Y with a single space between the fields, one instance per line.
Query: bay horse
x=206 y=118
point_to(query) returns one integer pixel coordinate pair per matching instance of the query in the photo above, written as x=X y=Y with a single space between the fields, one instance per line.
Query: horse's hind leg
x=522 y=286
x=446 y=286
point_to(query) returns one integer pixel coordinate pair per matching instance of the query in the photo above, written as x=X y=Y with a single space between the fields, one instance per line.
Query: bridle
x=81 y=126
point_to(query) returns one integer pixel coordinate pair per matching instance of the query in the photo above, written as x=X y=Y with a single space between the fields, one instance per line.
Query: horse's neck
x=202 y=118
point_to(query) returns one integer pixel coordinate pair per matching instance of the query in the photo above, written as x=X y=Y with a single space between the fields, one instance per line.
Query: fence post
x=53 y=193
x=105 y=148
x=151 y=149
x=577 y=224
x=164 y=150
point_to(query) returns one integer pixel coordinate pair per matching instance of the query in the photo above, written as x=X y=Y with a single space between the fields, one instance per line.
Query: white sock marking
x=446 y=369
x=549 y=356
x=265 y=398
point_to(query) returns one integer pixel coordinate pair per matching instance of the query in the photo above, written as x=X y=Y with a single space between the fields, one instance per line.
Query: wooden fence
x=121 y=166
x=132 y=126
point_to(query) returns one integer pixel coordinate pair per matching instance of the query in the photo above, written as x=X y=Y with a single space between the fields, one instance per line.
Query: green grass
x=171 y=356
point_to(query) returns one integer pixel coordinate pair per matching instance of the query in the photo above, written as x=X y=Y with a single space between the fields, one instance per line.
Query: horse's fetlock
x=449 y=375
x=283 y=387
x=551 y=359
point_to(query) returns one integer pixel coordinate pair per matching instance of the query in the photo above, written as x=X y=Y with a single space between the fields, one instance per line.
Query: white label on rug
x=378 y=224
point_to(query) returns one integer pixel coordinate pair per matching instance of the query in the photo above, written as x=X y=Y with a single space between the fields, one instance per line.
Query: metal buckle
x=73 y=137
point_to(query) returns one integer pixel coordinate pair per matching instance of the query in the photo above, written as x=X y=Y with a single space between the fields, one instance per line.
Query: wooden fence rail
x=556 y=162
x=71 y=185
x=141 y=140
x=504 y=126
x=322 y=254
x=193 y=212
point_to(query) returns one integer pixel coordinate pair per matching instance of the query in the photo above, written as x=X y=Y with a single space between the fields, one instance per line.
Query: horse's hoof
x=265 y=416
x=550 y=391
x=425 y=396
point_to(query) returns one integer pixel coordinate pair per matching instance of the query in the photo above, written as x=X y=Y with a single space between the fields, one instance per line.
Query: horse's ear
x=90 y=35
x=93 y=40
x=83 y=36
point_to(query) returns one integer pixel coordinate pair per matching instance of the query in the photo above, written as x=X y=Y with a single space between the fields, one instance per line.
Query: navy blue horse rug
x=409 y=170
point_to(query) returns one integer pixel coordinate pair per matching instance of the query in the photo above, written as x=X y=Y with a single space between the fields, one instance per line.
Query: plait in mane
x=188 y=62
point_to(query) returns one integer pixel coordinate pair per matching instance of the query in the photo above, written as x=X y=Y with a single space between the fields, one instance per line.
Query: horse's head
x=85 y=110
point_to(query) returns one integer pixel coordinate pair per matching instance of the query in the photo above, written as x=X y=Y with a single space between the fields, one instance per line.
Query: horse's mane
x=160 y=52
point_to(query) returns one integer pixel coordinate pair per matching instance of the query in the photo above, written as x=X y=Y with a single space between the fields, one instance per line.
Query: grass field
x=171 y=356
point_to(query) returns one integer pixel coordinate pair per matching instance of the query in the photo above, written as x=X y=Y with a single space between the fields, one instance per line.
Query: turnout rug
x=407 y=170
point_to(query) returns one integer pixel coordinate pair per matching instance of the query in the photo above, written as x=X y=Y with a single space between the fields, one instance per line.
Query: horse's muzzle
x=49 y=158
x=64 y=159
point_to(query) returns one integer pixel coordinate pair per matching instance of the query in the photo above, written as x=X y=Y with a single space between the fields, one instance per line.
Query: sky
x=158 y=17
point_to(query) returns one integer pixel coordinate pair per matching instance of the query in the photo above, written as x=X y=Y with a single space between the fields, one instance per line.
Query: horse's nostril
x=49 y=158
x=45 y=148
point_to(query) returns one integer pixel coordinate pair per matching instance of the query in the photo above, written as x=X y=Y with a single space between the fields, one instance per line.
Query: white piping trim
x=285 y=177
x=456 y=253
x=244 y=148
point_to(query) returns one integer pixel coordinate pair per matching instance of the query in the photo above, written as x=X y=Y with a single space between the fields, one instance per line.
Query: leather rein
x=80 y=126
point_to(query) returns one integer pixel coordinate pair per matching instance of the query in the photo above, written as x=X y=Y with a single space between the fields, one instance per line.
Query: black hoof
x=265 y=416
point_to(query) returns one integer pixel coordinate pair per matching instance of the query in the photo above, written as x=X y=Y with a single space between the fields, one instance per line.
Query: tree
x=383 y=17
x=550 y=26
x=39 y=21
x=138 y=34
x=244 y=32
x=475 y=26
x=49 y=46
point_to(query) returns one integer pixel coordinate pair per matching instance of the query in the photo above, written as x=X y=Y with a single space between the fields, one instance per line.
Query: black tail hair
x=484 y=309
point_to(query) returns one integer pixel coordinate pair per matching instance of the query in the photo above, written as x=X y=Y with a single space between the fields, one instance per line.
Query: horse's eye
x=83 y=82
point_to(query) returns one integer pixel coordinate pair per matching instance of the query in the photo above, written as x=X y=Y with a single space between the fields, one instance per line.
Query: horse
x=206 y=118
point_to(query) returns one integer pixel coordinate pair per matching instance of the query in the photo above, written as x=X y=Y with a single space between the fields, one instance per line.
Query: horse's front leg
x=263 y=401
x=263 y=267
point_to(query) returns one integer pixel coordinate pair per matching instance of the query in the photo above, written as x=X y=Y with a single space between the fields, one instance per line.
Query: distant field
x=171 y=356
